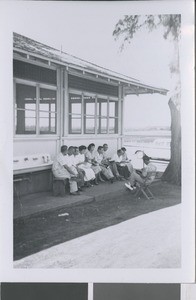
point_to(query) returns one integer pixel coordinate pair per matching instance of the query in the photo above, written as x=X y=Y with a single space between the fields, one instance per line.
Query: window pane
x=30 y=125
x=76 y=108
x=111 y=125
x=75 y=125
x=90 y=109
x=44 y=125
x=25 y=109
x=102 y=107
x=113 y=109
x=89 y=106
x=44 y=106
x=90 y=125
x=53 y=125
x=47 y=120
x=103 y=125
x=53 y=107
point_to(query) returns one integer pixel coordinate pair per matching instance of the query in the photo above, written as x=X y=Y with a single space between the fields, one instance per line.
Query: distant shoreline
x=162 y=133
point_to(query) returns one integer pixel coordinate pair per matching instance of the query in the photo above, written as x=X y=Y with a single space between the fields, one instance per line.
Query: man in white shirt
x=126 y=160
x=115 y=162
x=74 y=160
x=61 y=169
x=147 y=175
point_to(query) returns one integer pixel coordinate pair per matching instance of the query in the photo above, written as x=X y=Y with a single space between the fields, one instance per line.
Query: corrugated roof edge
x=21 y=42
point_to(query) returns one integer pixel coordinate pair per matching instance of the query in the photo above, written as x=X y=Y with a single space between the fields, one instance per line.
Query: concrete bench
x=60 y=186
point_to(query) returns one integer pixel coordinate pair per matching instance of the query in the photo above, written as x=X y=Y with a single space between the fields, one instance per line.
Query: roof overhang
x=33 y=49
x=137 y=89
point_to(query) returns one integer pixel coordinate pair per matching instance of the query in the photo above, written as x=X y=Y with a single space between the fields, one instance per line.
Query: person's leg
x=73 y=186
x=107 y=172
x=130 y=167
x=135 y=178
x=81 y=178
x=114 y=169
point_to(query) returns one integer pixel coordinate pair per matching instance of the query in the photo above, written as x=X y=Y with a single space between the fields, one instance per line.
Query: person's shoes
x=112 y=180
x=129 y=186
x=121 y=178
x=96 y=182
x=75 y=193
x=101 y=179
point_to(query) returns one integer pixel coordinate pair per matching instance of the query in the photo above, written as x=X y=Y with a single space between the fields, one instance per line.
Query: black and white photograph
x=98 y=140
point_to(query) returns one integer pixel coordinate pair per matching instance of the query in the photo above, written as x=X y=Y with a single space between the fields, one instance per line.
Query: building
x=61 y=99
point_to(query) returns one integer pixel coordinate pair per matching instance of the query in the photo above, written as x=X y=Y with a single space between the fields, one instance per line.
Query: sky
x=86 y=32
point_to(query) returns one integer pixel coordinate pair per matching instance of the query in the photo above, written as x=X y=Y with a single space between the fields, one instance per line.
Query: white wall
x=33 y=146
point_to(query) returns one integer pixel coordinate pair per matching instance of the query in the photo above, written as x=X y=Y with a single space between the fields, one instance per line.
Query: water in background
x=155 y=144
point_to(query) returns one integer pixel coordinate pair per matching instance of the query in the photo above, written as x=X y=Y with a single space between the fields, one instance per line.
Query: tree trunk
x=172 y=173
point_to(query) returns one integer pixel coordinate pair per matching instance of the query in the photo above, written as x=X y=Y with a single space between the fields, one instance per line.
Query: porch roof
x=29 y=47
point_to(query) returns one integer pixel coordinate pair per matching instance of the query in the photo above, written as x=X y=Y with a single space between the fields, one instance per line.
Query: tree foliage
x=126 y=28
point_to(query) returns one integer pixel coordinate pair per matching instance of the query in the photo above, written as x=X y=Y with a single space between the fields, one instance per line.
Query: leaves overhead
x=130 y=24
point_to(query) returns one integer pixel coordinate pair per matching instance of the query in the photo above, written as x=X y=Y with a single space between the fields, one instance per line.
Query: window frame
x=97 y=116
x=38 y=86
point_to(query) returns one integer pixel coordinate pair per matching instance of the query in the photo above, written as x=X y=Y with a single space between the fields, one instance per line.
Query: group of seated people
x=86 y=166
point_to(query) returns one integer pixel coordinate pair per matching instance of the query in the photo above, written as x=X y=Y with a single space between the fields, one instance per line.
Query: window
x=113 y=117
x=47 y=111
x=89 y=114
x=75 y=111
x=98 y=116
x=102 y=115
x=33 y=114
x=25 y=109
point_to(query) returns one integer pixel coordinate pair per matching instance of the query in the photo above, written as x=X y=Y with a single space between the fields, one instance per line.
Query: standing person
x=106 y=171
x=147 y=176
x=60 y=169
x=84 y=166
x=91 y=158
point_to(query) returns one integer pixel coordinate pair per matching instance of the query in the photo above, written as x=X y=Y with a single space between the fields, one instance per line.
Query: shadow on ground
x=38 y=232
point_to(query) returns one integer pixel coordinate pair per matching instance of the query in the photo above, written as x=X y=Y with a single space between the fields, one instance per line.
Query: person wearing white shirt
x=61 y=169
x=115 y=162
x=90 y=156
x=71 y=162
x=105 y=170
x=83 y=168
x=126 y=160
x=147 y=175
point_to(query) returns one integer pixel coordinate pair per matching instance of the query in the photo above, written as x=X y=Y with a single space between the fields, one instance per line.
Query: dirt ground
x=35 y=233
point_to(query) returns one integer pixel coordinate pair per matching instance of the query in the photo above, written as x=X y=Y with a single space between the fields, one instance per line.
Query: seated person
x=106 y=171
x=106 y=156
x=115 y=164
x=147 y=175
x=60 y=169
x=83 y=165
x=90 y=157
x=71 y=162
x=126 y=160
